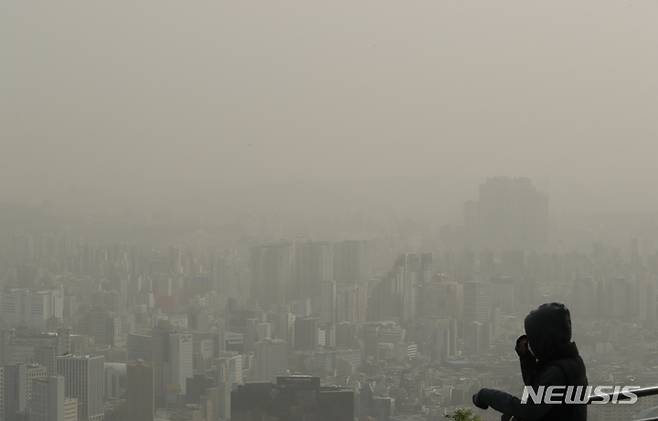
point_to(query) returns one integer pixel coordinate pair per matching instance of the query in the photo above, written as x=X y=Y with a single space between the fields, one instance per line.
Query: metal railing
x=640 y=393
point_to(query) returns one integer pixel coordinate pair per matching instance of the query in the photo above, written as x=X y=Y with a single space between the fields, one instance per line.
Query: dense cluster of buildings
x=306 y=330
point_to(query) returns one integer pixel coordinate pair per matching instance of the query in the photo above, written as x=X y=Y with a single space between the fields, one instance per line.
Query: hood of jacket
x=549 y=331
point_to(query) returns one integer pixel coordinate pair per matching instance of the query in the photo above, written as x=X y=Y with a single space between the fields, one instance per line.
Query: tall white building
x=226 y=376
x=84 y=381
x=181 y=359
x=230 y=367
x=49 y=403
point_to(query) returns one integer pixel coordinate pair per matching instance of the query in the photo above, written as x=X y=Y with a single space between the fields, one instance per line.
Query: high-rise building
x=328 y=302
x=352 y=303
x=250 y=333
x=477 y=301
x=181 y=359
x=509 y=214
x=115 y=379
x=441 y=298
x=230 y=365
x=477 y=329
x=442 y=339
x=140 y=347
x=271 y=359
x=477 y=337
x=140 y=396
x=397 y=294
x=21 y=306
x=227 y=372
x=306 y=333
x=346 y=335
x=411 y=272
x=2 y=394
x=84 y=381
x=70 y=409
x=104 y=327
x=171 y=356
x=18 y=388
x=25 y=346
x=6 y=339
x=350 y=261
x=49 y=402
x=225 y=274
x=263 y=330
x=503 y=294
x=271 y=272
x=313 y=266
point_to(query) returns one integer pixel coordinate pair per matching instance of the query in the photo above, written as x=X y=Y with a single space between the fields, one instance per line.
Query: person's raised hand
x=478 y=401
x=521 y=347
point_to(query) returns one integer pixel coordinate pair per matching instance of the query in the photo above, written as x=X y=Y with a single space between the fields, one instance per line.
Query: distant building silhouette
x=271 y=359
x=509 y=214
x=313 y=266
x=271 y=272
x=350 y=262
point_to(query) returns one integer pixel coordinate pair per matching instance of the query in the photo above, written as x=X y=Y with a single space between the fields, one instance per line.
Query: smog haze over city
x=325 y=210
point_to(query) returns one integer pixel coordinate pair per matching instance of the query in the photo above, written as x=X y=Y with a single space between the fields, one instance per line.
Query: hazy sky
x=169 y=97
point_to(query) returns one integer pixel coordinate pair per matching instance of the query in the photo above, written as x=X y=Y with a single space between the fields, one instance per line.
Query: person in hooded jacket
x=548 y=358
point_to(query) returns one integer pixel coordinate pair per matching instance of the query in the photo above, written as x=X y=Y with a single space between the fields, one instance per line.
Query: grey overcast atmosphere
x=162 y=102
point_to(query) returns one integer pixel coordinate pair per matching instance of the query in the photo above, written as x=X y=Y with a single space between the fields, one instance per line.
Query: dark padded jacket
x=557 y=363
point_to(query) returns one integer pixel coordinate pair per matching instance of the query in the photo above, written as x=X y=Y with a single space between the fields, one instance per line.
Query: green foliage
x=463 y=414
